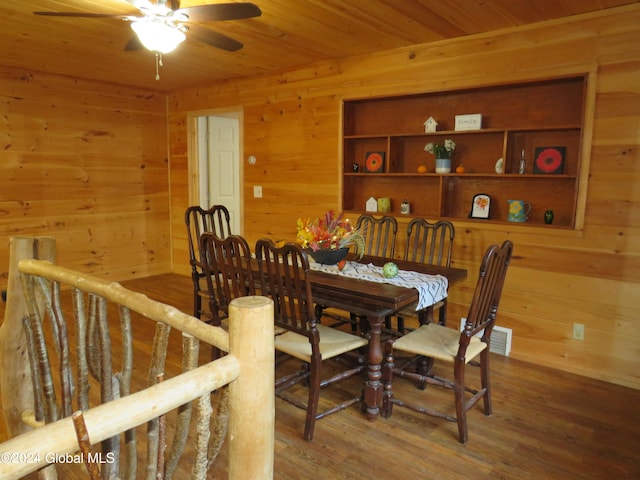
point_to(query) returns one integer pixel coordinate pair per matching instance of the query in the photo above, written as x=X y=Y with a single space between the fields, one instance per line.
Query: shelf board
x=426 y=134
x=511 y=176
x=464 y=132
x=365 y=136
x=493 y=224
x=551 y=128
x=398 y=174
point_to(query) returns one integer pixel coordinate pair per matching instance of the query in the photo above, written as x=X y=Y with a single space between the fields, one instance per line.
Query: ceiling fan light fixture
x=157 y=35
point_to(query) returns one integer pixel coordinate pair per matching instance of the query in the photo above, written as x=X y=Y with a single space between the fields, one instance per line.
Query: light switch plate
x=578 y=331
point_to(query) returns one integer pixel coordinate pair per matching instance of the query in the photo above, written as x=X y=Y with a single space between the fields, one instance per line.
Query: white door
x=219 y=154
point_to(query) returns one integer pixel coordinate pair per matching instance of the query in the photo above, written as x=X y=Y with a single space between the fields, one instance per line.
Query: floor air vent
x=500 y=340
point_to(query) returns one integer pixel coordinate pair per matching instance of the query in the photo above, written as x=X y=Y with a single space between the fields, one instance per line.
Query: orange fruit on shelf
x=422 y=169
x=460 y=169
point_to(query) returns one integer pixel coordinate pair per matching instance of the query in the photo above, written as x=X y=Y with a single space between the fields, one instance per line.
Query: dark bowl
x=328 y=257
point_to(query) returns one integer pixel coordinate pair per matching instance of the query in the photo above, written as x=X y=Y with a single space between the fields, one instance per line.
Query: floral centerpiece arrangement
x=443 y=153
x=332 y=232
x=444 y=150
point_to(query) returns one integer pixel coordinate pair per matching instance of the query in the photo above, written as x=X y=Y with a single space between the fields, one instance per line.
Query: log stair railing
x=46 y=375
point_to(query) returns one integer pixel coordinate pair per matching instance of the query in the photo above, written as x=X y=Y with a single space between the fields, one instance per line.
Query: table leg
x=373 y=387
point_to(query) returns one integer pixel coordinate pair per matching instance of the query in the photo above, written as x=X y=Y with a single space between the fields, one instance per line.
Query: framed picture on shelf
x=374 y=162
x=480 y=206
x=549 y=160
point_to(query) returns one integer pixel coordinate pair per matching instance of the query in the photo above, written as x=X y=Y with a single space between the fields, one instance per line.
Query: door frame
x=193 y=154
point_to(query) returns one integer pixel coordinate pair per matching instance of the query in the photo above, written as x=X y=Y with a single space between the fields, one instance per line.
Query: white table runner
x=431 y=288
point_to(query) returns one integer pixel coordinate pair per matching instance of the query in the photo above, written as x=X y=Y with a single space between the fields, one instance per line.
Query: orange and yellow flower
x=328 y=233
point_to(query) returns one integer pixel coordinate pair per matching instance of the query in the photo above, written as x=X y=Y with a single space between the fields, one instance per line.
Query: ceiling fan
x=162 y=25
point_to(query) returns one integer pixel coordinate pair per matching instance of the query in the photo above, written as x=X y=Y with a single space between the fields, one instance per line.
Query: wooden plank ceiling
x=288 y=34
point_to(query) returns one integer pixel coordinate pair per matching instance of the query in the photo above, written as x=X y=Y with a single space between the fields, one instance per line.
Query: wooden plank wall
x=292 y=126
x=86 y=163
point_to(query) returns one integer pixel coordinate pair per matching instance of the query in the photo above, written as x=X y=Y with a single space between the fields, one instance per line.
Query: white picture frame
x=468 y=122
x=480 y=206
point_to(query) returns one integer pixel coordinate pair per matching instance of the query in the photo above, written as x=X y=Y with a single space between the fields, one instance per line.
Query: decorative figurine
x=548 y=217
x=372 y=205
x=523 y=165
x=356 y=167
x=430 y=125
x=384 y=204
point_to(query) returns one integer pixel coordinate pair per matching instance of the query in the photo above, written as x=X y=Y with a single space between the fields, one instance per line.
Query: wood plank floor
x=546 y=424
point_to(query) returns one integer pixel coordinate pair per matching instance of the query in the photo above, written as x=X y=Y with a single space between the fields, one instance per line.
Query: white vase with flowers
x=443 y=153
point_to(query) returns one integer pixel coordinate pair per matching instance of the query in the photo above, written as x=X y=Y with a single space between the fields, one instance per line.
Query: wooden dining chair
x=379 y=234
x=429 y=243
x=227 y=267
x=456 y=348
x=198 y=221
x=284 y=276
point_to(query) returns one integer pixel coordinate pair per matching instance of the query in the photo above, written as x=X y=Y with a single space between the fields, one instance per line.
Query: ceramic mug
x=518 y=210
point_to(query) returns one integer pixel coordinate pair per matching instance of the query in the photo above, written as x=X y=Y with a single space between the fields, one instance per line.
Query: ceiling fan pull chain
x=158 y=64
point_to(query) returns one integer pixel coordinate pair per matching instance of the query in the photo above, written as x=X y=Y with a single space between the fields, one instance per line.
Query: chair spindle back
x=486 y=297
x=379 y=235
x=430 y=243
x=226 y=263
x=198 y=221
x=284 y=277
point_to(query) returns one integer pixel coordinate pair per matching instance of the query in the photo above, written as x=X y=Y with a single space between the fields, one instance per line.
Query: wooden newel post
x=252 y=396
x=16 y=389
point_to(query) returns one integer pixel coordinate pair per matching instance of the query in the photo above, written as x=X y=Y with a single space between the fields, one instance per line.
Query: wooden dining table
x=375 y=301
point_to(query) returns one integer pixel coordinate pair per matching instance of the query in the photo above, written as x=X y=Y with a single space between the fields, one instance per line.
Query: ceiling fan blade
x=222 y=11
x=133 y=44
x=214 y=39
x=78 y=14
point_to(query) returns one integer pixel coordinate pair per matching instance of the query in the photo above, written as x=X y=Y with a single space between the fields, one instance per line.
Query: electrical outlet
x=257 y=191
x=578 y=331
